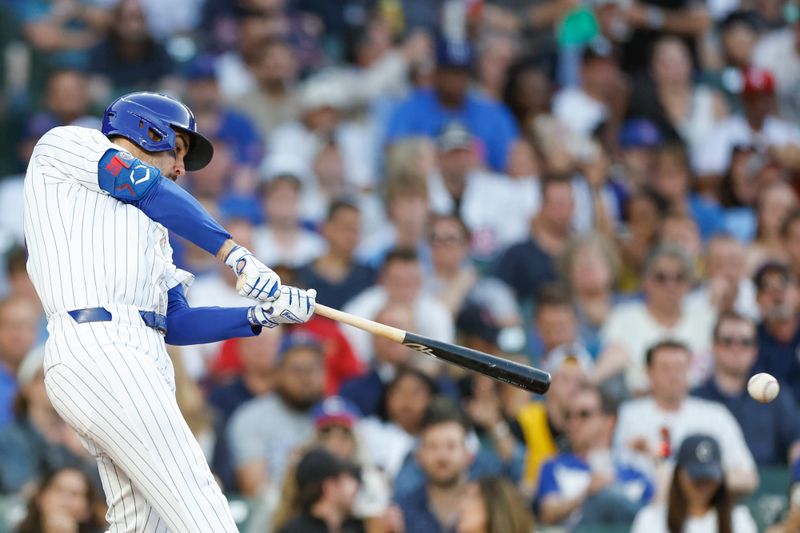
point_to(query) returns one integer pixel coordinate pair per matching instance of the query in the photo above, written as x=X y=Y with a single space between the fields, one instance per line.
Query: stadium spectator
x=587 y=485
x=456 y=281
x=590 y=267
x=555 y=322
x=391 y=435
x=497 y=210
x=529 y=264
x=273 y=101
x=644 y=212
x=65 y=500
x=65 y=31
x=260 y=451
x=283 y=240
x=726 y=285
x=18 y=320
x=326 y=489
x=444 y=457
x=336 y=274
x=67 y=99
x=771 y=430
x=790 y=233
x=37 y=441
x=638 y=140
x=426 y=111
x=774 y=136
x=543 y=423
x=682 y=110
x=129 y=59
x=400 y=281
x=777 y=52
x=650 y=429
x=773 y=204
x=700 y=497
x=681 y=231
x=586 y=106
x=779 y=330
x=527 y=92
x=492 y=505
x=632 y=327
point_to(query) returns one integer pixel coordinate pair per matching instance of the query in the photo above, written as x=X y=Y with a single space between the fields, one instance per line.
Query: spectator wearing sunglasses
x=632 y=327
x=771 y=430
x=586 y=485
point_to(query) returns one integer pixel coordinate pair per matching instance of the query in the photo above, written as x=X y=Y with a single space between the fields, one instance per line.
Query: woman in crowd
x=772 y=205
x=65 y=502
x=698 y=499
x=590 y=267
x=493 y=505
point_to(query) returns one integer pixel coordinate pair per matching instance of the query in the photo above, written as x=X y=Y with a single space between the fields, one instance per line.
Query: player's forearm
x=200 y=325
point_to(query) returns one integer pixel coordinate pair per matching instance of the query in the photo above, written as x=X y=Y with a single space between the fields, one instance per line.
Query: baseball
x=763 y=387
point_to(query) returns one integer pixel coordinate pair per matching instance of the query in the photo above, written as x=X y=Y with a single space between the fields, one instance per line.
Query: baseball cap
x=297 y=340
x=335 y=410
x=478 y=321
x=327 y=89
x=758 y=81
x=319 y=464
x=454 y=54
x=700 y=456
x=598 y=48
x=285 y=166
x=454 y=136
x=639 y=133
x=769 y=268
x=201 y=68
x=31 y=365
x=572 y=353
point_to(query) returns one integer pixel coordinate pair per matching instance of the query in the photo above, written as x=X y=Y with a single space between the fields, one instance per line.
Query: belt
x=151 y=319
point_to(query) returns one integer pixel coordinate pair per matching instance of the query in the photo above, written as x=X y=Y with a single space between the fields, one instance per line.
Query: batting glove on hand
x=292 y=306
x=256 y=280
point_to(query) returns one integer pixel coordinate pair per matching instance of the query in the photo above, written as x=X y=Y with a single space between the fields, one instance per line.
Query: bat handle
x=395 y=334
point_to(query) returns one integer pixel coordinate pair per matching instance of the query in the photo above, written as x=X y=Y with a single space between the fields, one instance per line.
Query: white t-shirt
x=713 y=154
x=653 y=519
x=643 y=418
x=631 y=325
x=307 y=247
x=776 y=52
x=431 y=319
x=578 y=110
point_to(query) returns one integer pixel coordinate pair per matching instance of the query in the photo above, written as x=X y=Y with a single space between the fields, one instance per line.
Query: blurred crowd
x=606 y=189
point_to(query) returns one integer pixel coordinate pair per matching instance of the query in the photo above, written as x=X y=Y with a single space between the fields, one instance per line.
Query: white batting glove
x=292 y=306
x=255 y=279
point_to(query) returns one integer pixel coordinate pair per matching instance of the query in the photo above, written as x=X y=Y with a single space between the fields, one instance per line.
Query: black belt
x=151 y=319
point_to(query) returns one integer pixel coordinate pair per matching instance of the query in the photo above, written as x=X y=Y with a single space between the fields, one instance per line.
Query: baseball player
x=97 y=210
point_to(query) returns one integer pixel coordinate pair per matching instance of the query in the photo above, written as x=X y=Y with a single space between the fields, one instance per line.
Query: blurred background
x=603 y=188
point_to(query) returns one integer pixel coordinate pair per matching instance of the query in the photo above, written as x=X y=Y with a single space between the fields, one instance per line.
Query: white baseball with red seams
x=763 y=387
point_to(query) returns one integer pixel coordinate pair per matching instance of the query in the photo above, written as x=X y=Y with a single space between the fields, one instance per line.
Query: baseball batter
x=97 y=210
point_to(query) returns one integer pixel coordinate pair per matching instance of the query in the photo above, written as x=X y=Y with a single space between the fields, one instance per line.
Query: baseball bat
x=519 y=375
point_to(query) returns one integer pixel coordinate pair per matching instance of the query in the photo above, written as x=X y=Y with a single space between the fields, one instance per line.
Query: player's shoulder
x=76 y=135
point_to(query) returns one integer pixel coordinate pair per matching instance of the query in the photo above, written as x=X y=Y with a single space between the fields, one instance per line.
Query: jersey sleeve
x=71 y=154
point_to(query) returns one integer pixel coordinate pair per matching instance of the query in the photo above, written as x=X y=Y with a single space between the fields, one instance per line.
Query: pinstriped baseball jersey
x=86 y=247
x=113 y=381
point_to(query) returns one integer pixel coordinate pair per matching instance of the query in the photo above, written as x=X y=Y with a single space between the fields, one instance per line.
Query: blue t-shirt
x=769 y=429
x=780 y=359
x=707 y=214
x=8 y=389
x=417 y=516
x=568 y=467
x=422 y=114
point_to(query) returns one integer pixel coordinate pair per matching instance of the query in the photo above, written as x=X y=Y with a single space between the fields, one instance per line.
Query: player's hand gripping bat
x=525 y=377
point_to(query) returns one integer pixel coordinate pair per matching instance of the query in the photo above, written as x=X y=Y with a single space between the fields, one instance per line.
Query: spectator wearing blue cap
x=426 y=111
x=699 y=499
x=638 y=140
x=263 y=432
x=129 y=59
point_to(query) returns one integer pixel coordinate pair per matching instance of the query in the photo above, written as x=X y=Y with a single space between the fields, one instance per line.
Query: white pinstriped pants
x=113 y=382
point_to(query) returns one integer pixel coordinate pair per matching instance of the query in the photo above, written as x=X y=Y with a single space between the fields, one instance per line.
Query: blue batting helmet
x=149 y=120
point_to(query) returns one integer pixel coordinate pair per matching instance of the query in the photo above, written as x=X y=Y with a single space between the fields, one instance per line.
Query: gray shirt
x=266 y=428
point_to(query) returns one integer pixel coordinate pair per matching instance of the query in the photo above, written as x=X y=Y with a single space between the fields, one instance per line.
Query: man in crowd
x=651 y=428
x=779 y=330
x=445 y=459
x=426 y=111
x=264 y=431
x=528 y=265
x=772 y=430
x=326 y=489
x=18 y=321
x=586 y=484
